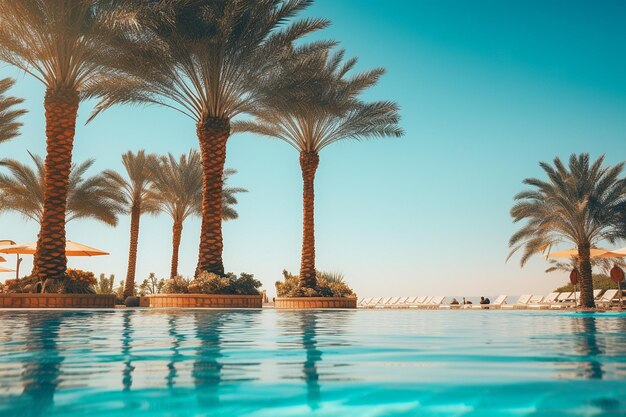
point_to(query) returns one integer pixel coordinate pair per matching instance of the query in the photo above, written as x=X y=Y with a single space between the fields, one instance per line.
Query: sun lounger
x=564 y=296
x=365 y=302
x=401 y=302
x=410 y=301
x=522 y=302
x=497 y=303
x=542 y=303
x=596 y=294
x=608 y=298
x=435 y=302
x=384 y=303
x=394 y=301
x=375 y=301
x=420 y=302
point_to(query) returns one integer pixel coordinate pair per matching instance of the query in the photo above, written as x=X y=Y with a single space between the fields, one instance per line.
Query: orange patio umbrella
x=71 y=249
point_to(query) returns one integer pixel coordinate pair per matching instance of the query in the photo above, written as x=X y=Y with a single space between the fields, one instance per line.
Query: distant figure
x=487 y=300
x=482 y=300
x=466 y=302
x=454 y=302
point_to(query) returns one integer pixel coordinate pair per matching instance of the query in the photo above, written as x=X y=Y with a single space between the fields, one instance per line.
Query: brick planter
x=57 y=301
x=315 y=302
x=202 y=301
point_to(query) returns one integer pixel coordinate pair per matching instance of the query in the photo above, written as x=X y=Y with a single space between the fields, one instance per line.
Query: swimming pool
x=322 y=363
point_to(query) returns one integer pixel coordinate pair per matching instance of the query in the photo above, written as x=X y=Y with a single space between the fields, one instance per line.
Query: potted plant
x=330 y=291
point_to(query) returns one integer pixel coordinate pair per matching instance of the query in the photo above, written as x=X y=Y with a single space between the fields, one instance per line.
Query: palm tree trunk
x=213 y=133
x=61 y=107
x=308 y=162
x=177 y=231
x=129 y=285
x=586 y=279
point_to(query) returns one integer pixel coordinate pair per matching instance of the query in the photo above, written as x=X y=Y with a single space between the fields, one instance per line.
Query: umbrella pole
x=17 y=267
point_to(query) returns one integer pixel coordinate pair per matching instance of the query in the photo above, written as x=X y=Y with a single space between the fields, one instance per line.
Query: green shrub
x=600 y=282
x=329 y=284
x=104 y=284
x=176 y=285
x=26 y=284
x=151 y=285
x=76 y=281
x=208 y=283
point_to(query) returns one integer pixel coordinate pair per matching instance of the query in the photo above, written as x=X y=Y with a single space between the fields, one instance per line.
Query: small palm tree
x=178 y=186
x=581 y=203
x=87 y=197
x=60 y=43
x=140 y=199
x=335 y=114
x=9 y=126
x=211 y=61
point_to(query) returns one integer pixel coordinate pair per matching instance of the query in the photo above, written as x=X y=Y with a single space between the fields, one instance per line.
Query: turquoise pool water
x=325 y=363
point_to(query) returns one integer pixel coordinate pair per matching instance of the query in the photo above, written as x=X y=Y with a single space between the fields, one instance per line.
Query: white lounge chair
x=402 y=302
x=375 y=301
x=522 y=302
x=497 y=303
x=384 y=303
x=541 y=303
x=421 y=302
x=607 y=298
x=435 y=302
x=363 y=303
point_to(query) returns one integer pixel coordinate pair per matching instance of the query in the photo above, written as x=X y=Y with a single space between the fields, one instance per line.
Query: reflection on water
x=264 y=363
x=590 y=351
x=42 y=371
x=313 y=356
x=127 y=335
x=177 y=341
x=207 y=371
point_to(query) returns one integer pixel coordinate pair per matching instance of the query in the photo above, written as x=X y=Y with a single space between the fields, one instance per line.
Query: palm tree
x=178 y=185
x=581 y=203
x=60 y=43
x=335 y=114
x=87 y=197
x=211 y=61
x=140 y=199
x=9 y=126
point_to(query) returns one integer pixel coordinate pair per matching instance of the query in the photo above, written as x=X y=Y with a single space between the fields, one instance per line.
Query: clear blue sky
x=487 y=89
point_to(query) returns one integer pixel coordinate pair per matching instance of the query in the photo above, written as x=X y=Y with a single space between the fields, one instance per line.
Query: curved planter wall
x=315 y=302
x=57 y=301
x=202 y=301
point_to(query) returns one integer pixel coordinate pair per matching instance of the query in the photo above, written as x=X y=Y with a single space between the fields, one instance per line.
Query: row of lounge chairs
x=423 y=302
x=554 y=300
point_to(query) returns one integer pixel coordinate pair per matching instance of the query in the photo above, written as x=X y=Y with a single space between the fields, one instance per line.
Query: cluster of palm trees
x=582 y=203
x=210 y=60
x=151 y=184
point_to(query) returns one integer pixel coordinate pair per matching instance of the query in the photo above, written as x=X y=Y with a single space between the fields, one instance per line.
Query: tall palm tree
x=60 y=43
x=580 y=203
x=178 y=185
x=9 y=113
x=211 y=61
x=87 y=197
x=335 y=114
x=140 y=199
